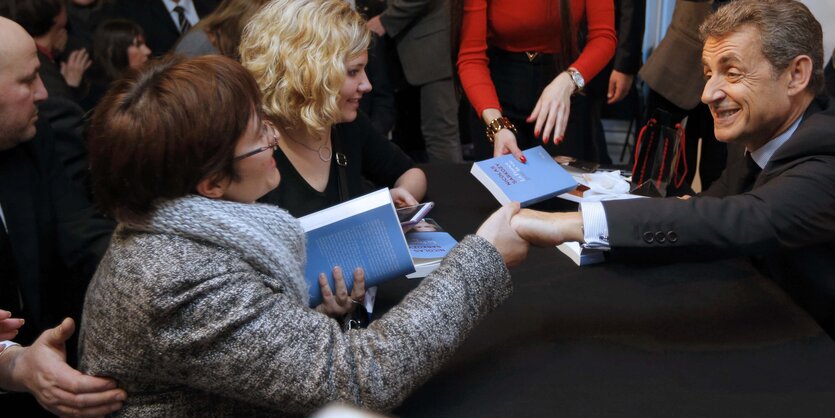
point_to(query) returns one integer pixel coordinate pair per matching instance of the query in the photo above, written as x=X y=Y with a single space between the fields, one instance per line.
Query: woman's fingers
x=358 y=291
x=339 y=286
x=561 y=124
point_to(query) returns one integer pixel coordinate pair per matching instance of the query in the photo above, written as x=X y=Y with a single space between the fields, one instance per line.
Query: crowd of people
x=154 y=157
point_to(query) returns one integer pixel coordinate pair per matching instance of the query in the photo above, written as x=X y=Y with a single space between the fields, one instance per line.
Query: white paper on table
x=603 y=185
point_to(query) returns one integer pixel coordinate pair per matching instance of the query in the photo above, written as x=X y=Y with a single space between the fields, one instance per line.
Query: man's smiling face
x=748 y=100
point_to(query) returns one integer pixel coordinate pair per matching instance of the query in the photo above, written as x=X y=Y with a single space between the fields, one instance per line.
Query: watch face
x=578 y=79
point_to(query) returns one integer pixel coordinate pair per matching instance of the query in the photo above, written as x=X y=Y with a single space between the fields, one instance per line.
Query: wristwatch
x=497 y=125
x=577 y=78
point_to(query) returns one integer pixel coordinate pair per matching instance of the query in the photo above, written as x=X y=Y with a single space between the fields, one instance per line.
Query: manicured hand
x=8 y=325
x=619 y=85
x=42 y=368
x=498 y=231
x=340 y=303
x=73 y=69
x=504 y=142
x=552 y=109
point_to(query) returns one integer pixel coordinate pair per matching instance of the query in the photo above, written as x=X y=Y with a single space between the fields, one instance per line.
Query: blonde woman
x=309 y=60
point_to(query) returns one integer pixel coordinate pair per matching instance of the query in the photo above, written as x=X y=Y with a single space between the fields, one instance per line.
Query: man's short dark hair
x=36 y=16
x=159 y=132
x=787 y=30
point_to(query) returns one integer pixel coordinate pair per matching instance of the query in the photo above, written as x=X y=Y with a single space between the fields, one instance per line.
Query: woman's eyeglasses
x=267 y=131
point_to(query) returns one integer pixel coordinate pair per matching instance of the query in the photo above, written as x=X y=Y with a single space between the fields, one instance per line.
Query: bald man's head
x=21 y=88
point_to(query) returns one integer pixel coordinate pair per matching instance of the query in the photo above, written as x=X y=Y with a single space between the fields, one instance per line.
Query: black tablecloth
x=675 y=339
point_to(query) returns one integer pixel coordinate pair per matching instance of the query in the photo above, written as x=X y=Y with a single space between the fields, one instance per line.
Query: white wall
x=659 y=13
x=824 y=11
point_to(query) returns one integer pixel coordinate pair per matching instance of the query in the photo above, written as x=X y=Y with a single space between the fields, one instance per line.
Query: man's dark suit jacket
x=56 y=238
x=160 y=31
x=786 y=221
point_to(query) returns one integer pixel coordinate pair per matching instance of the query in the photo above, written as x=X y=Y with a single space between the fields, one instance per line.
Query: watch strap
x=497 y=125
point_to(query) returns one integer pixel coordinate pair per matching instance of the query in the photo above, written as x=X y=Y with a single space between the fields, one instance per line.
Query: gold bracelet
x=497 y=125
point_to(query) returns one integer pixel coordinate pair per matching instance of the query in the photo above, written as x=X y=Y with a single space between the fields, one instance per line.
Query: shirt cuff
x=6 y=344
x=595 y=226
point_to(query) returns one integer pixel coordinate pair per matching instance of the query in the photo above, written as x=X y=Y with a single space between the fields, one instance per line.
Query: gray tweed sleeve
x=227 y=334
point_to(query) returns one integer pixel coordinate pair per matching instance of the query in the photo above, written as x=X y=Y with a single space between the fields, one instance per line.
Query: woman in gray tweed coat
x=199 y=307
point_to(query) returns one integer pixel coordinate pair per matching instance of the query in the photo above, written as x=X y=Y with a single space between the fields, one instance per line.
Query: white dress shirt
x=188 y=9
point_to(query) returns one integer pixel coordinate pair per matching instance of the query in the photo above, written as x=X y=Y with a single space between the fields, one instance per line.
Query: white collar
x=187 y=5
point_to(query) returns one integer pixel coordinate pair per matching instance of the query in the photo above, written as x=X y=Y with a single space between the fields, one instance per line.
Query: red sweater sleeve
x=601 y=41
x=472 y=56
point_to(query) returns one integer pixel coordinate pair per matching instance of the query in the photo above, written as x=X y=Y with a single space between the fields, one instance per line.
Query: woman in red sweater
x=519 y=65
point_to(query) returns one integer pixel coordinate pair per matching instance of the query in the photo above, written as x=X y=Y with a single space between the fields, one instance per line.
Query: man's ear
x=800 y=73
x=213 y=187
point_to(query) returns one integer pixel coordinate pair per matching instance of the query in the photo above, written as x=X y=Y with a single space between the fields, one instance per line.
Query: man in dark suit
x=161 y=20
x=763 y=62
x=420 y=28
x=50 y=239
x=45 y=21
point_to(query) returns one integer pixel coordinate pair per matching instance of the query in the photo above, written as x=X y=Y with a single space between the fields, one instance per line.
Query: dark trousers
x=699 y=125
x=519 y=83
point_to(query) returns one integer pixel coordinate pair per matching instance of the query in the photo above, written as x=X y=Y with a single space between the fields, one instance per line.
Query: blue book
x=511 y=181
x=362 y=232
x=428 y=244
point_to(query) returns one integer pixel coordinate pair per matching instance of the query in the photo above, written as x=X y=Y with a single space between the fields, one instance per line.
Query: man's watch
x=497 y=125
x=577 y=78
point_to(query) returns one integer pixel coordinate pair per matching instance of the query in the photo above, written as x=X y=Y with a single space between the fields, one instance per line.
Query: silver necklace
x=324 y=152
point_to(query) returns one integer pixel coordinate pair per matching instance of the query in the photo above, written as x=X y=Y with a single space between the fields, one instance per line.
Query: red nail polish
x=523 y=159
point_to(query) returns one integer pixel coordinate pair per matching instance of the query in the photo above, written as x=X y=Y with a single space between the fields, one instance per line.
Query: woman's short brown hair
x=159 y=132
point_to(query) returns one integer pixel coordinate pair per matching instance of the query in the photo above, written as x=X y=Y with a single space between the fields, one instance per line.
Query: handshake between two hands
x=511 y=230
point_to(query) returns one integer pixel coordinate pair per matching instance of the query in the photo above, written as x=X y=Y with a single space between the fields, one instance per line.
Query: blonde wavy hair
x=296 y=50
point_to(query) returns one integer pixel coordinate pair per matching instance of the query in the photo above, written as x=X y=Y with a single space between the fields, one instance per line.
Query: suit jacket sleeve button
x=672 y=236
x=660 y=237
x=648 y=237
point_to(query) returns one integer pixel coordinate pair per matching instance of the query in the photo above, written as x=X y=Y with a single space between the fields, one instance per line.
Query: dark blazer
x=674 y=69
x=421 y=30
x=160 y=31
x=787 y=221
x=56 y=238
x=629 y=18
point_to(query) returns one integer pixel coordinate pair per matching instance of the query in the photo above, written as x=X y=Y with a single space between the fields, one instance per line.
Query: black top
x=372 y=162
